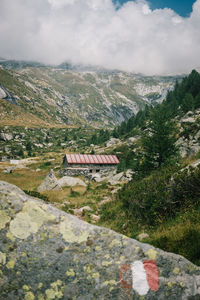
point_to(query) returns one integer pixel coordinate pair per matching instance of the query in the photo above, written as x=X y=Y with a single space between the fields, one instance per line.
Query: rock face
x=47 y=254
x=2 y=94
x=70 y=181
x=49 y=183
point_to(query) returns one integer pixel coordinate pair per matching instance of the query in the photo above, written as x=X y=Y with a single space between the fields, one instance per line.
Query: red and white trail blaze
x=145 y=276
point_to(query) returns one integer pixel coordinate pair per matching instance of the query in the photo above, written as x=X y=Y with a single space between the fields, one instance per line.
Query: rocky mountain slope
x=57 y=256
x=75 y=96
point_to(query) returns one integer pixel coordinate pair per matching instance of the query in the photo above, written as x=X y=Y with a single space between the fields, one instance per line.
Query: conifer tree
x=159 y=140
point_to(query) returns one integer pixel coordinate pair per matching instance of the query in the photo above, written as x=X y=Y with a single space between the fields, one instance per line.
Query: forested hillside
x=163 y=197
x=184 y=97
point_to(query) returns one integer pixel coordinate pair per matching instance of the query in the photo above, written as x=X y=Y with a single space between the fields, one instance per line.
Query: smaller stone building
x=85 y=164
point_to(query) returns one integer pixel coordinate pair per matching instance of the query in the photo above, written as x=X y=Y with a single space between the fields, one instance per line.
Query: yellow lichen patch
x=176 y=271
x=2 y=258
x=87 y=250
x=106 y=263
x=110 y=282
x=44 y=207
x=10 y=236
x=40 y=297
x=70 y=273
x=95 y=275
x=29 y=296
x=98 y=248
x=10 y=264
x=68 y=234
x=54 y=292
x=56 y=284
x=107 y=256
x=29 y=220
x=40 y=285
x=115 y=243
x=169 y=285
x=26 y=287
x=137 y=249
x=4 y=219
x=50 y=294
x=151 y=254
x=88 y=269
x=182 y=284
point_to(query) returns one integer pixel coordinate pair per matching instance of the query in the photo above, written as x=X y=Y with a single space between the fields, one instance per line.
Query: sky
x=181 y=7
x=151 y=37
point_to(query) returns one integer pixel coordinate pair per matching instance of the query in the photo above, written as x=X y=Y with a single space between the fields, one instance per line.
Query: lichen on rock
x=47 y=254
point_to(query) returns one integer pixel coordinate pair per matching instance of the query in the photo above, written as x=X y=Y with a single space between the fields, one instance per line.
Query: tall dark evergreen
x=159 y=139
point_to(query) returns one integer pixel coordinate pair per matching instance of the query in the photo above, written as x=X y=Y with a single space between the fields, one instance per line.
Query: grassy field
x=30 y=178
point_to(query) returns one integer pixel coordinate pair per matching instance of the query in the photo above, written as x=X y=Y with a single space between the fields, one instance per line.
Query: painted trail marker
x=140 y=276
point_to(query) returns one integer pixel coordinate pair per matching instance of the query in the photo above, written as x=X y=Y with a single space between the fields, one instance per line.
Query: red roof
x=92 y=159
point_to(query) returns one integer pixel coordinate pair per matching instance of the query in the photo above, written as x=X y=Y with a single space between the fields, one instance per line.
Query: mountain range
x=66 y=95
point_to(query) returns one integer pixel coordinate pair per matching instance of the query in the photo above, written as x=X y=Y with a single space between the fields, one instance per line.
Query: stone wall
x=87 y=171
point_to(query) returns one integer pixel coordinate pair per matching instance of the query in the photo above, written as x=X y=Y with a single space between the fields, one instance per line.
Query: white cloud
x=132 y=37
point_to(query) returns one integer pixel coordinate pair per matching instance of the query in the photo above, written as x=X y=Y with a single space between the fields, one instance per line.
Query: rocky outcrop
x=114 y=178
x=112 y=142
x=48 y=254
x=70 y=181
x=6 y=136
x=2 y=94
x=49 y=183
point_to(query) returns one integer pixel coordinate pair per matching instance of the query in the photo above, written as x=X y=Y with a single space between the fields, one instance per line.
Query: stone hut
x=84 y=164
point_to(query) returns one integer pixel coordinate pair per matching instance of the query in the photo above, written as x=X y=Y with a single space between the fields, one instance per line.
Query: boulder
x=79 y=212
x=9 y=170
x=70 y=181
x=48 y=254
x=49 y=183
x=105 y=200
x=3 y=94
x=132 y=140
x=195 y=164
x=6 y=136
x=116 y=179
x=188 y=120
x=113 y=141
x=95 y=218
x=142 y=236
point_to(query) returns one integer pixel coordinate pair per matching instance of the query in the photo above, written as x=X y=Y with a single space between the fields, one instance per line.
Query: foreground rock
x=49 y=183
x=47 y=254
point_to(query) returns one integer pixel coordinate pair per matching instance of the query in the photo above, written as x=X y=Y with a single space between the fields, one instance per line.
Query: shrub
x=37 y=195
x=159 y=197
x=73 y=193
x=186 y=187
x=187 y=244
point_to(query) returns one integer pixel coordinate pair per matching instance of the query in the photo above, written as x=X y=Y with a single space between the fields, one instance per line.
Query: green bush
x=186 y=187
x=45 y=164
x=188 y=244
x=37 y=195
x=73 y=193
x=160 y=196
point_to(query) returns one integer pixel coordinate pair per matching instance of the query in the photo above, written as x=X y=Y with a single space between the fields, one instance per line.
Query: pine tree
x=188 y=103
x=159 y=140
